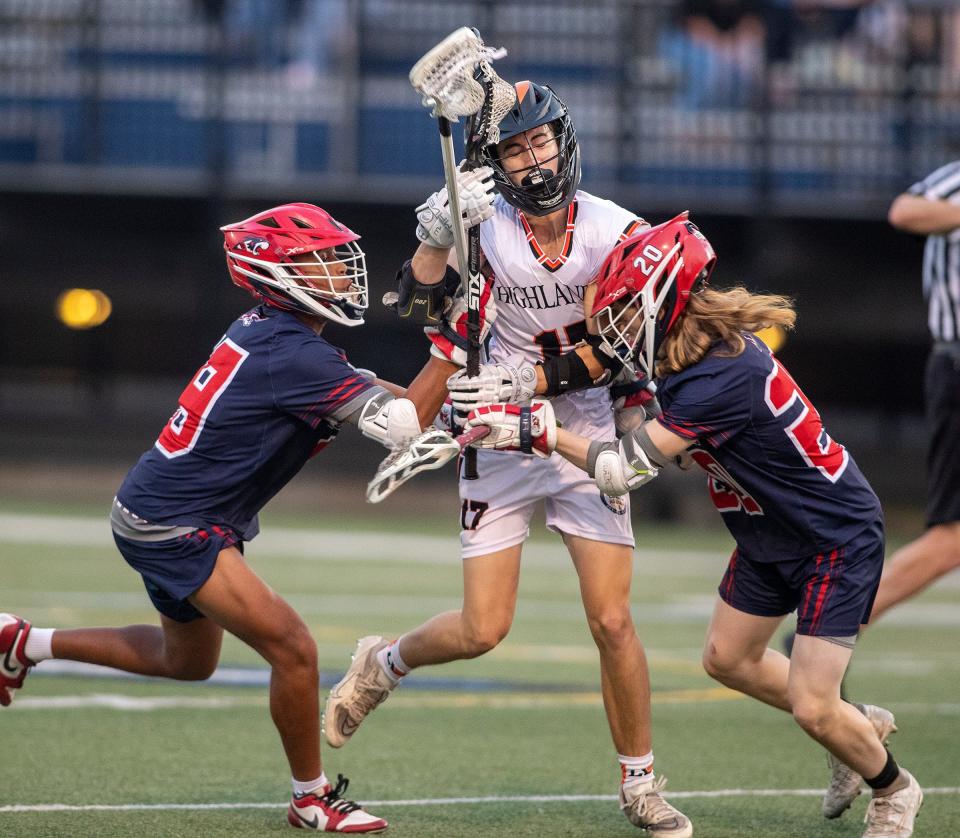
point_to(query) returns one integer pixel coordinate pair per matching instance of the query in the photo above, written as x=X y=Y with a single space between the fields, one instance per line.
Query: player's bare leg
x=813 y=690
x=736 y=655
x=808 y=686
x=242 y=603
x=490 y=586
x=917 y=564
x=489 y=601
x=185 y=651
x=605 y=571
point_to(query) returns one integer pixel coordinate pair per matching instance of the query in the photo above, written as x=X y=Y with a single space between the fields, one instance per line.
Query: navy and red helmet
x=551 y=184
x=645 y=284
x=298 y=257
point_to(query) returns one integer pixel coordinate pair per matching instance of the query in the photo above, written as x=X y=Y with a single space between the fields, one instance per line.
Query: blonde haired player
x=543 y=242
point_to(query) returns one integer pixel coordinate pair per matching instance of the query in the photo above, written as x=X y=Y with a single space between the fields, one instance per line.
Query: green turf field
x=512 y=744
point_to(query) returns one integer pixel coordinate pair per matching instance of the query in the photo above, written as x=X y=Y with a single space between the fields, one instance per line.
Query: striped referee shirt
x=941 y=257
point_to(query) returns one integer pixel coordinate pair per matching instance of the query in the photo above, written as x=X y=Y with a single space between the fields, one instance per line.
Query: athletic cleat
x=14 y=663
x=892 y=815
x=645 y=807
x=329 y=812
x=845 y=783
x=362 y=689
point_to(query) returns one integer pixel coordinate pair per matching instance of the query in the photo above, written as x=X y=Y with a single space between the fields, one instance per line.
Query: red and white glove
x=531 y=428
x=449 y=419
x=634 y=401
x=449 y=339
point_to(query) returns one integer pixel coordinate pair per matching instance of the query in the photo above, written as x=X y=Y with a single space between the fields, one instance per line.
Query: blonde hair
x=713 y=315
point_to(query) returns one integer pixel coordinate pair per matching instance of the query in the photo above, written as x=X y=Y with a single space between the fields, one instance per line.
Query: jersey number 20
x=197 y=400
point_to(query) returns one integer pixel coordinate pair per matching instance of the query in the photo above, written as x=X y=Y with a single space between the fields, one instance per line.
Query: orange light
x=83 y=308
x=774 y=337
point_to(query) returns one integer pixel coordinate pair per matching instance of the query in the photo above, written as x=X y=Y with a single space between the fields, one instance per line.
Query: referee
x=932 y=208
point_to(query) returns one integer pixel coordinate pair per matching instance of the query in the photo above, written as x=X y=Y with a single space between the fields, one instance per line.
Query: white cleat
x=329 y=812
x=892 y=816
x=845 y=783
x=14 y=663
x=362 y=689
x=645 y=807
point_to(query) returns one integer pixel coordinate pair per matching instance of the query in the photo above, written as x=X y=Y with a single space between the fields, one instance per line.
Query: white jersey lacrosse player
x=542 y=241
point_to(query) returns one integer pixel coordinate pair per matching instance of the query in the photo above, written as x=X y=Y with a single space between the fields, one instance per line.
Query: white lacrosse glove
x=510 y=382
x=449 y=339
x=476 y=191
x=531 y=428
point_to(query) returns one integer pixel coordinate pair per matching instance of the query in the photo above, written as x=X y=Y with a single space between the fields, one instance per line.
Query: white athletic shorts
x=496 y=508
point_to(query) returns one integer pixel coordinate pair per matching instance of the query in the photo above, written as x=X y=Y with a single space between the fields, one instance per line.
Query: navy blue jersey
x=785 y=488
x=270 y=396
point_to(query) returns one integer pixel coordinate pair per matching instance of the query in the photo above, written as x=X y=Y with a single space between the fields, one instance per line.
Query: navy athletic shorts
x=832 y=592
x=942 y=392
x=174 y=569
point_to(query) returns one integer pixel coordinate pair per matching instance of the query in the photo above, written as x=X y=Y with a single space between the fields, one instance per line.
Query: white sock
x=307 y=786
x=39 y=645
x=635 y=770
x=391 y=662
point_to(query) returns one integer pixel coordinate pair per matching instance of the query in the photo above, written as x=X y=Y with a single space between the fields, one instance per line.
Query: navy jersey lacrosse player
x=272 y=393
x=807 y=525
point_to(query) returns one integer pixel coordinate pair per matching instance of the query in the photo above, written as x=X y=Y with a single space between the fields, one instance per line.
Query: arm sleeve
x=319 y=383
x=940 y=185
x=710 y=401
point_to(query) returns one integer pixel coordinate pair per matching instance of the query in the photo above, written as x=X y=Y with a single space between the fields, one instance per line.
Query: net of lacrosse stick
x=447 y=78
x=431 y=450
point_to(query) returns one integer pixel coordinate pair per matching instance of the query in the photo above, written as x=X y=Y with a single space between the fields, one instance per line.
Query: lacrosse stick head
x=445 y=76
x=431 y=450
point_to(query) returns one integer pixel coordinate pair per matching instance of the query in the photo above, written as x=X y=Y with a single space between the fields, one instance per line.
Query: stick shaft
x=450 y=176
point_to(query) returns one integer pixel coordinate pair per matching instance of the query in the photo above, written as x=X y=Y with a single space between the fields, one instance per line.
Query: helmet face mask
x=541 y=183
x=297 y=257
x=645 y=284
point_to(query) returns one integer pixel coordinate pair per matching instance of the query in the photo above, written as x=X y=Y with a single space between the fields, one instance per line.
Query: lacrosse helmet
x=550 y=184
x=298 y=257
x=645 y=284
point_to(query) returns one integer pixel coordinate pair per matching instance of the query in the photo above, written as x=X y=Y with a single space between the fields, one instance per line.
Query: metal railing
x=798 y=111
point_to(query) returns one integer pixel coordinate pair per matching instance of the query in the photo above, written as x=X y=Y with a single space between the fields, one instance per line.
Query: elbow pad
x=619 y=468
x=391 y=422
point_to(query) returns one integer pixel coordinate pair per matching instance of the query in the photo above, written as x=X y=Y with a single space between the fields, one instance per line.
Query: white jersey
x=540 y=300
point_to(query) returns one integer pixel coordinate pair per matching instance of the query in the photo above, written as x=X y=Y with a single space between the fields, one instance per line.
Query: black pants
x=942 y=390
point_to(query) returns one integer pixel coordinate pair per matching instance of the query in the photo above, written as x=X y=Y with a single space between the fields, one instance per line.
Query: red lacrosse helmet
x=298 y=257
x=645 y=284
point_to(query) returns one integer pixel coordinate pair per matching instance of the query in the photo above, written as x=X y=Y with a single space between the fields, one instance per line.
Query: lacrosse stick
x=431 y=450
x=455 y=79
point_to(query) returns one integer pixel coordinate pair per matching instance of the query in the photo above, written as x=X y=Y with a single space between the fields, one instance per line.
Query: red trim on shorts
x=727 y=583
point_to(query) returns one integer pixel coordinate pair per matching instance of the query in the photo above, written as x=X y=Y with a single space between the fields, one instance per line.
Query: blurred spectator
x=718 y=47
x=322 y=39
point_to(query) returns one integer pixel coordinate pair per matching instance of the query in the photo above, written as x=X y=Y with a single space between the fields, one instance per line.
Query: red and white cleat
x=14 y=663
x=329 y=812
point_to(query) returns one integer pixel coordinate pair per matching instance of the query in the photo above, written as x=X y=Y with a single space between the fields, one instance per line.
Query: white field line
x=337 y=545
x=417 y=701
x=324 y=545
x=432 y=801
x=531 y=700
